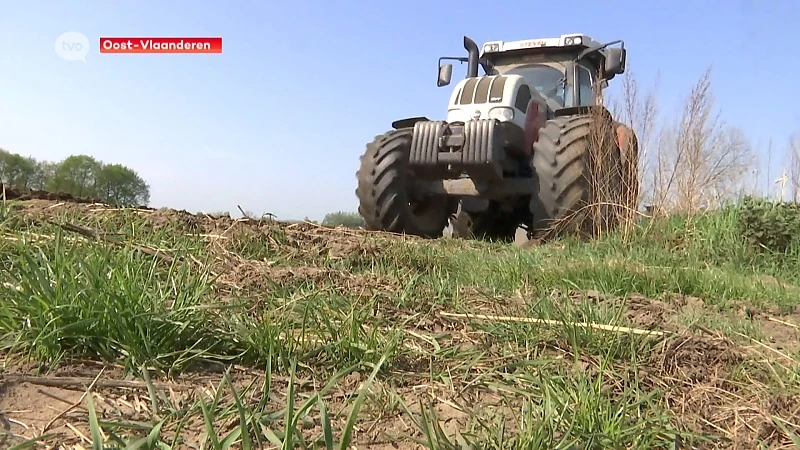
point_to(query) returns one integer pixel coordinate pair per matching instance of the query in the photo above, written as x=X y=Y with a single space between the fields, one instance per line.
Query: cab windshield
x=546 y=79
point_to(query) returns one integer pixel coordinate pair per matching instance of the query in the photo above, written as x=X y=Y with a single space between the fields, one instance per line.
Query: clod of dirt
x=685 y=302
x=647 y=312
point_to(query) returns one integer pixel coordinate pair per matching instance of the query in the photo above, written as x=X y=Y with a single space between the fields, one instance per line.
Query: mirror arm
x=461 y=59
x=585 y=52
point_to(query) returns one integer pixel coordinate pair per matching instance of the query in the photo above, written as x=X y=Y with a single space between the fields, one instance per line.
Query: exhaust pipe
x=472 y=63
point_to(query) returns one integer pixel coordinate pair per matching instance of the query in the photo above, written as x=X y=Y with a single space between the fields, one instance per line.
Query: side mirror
x=615 y=62
x=445 y=75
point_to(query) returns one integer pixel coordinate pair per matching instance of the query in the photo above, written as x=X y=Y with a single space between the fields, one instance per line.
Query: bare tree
x=638 y=108
x=640 y=111
x=700 y=160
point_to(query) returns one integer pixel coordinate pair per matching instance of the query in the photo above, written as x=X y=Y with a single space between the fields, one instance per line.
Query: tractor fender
x=629 y=153
x=593 y=110
x=626 y=139
x=535 y=117
x=408 y=122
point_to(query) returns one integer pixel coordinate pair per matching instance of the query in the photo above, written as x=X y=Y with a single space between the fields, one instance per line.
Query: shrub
x=772 y=226
x=343 y=218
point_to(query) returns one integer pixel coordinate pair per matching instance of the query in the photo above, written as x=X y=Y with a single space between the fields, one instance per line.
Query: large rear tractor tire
x=488 y=225
x=385 y=199
x=629 y=156
x=576 y=161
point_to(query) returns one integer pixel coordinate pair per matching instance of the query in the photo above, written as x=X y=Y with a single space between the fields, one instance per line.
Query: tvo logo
x=72 y=46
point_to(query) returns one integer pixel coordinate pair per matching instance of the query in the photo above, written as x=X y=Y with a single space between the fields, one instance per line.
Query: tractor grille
x=483 y=90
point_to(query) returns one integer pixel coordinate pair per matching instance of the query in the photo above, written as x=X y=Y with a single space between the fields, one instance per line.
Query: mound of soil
x=11 y=193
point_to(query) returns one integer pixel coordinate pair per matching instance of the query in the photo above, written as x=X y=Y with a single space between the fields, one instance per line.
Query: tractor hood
x=501 y=97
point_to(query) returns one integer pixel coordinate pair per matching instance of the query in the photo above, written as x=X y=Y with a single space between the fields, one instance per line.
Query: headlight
x=502 y=114
x=575 y=40
x=457 y=115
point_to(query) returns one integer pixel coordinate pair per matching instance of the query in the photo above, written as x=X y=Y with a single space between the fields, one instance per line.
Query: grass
x=245 y=334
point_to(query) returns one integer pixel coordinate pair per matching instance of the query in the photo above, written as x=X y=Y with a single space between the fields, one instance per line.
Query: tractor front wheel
x=386 y=201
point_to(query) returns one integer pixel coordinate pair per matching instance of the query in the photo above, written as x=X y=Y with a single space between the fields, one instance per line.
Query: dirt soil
x=698 y=370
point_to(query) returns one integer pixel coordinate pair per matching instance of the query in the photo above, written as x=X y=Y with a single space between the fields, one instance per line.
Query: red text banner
x=174 y=45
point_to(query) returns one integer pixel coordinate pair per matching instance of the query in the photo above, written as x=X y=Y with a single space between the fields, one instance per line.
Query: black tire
x=383 y=190
x=629 y=159
x=567 y=165
x=488 y=225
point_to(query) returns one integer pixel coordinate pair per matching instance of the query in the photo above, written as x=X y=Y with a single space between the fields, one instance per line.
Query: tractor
x=528 y=144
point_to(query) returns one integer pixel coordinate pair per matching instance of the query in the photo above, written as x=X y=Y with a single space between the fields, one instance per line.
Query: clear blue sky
x=277 y=122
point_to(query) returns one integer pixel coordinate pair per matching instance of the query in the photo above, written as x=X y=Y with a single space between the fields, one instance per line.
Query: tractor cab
x=564 y=70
